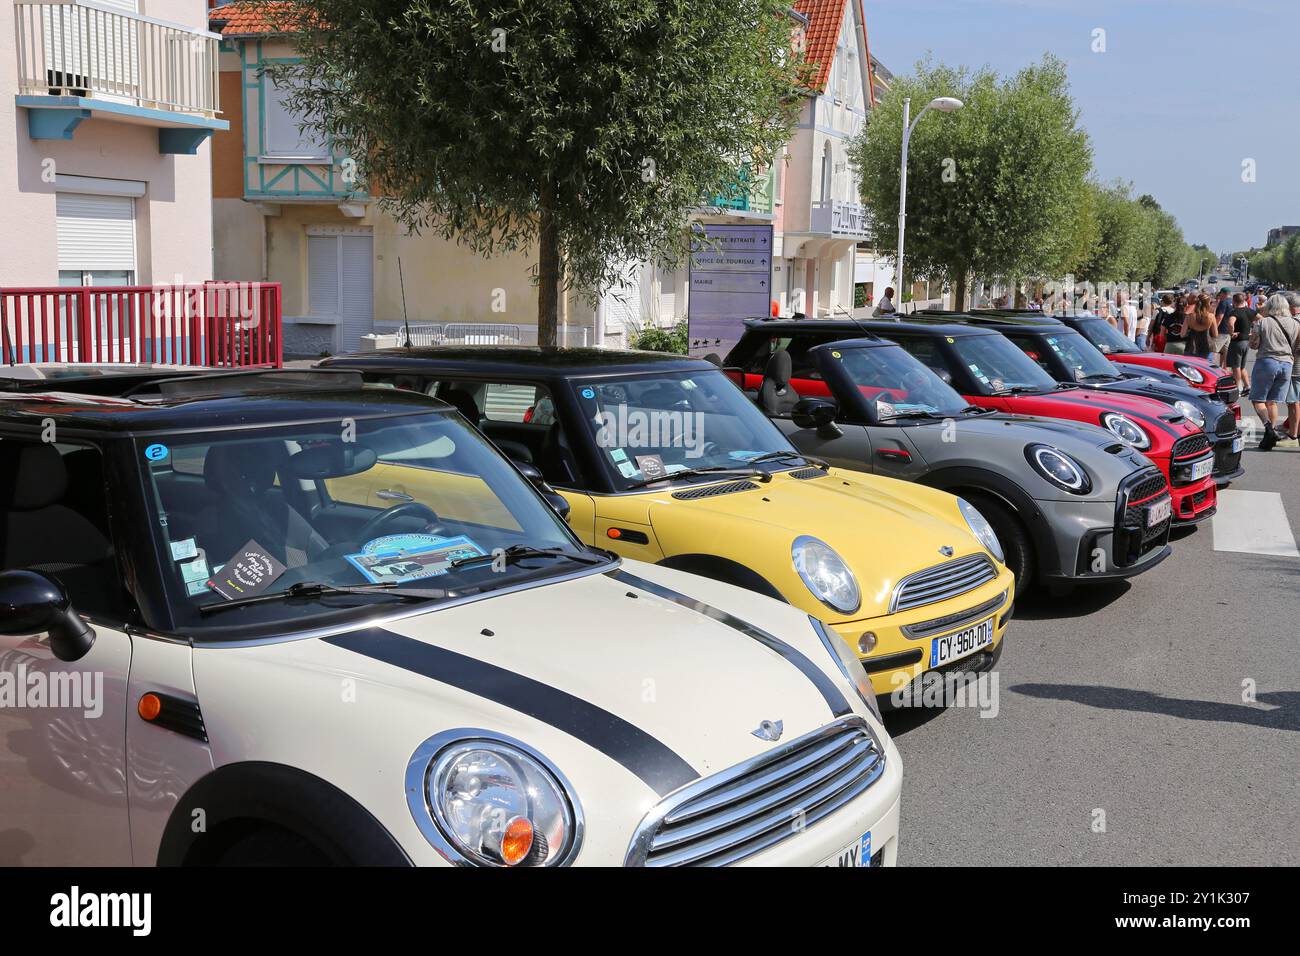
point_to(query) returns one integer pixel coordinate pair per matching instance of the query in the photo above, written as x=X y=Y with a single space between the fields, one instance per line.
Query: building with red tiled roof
x=242 y=20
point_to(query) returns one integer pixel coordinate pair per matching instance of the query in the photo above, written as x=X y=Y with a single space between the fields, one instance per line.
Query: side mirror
x=31 y=603
x=554 y=499
x=817 y=413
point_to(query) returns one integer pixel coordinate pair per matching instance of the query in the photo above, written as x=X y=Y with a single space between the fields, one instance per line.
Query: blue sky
x=1185 y=91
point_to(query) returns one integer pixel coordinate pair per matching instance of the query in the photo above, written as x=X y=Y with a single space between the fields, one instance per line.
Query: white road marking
x=1254 y=522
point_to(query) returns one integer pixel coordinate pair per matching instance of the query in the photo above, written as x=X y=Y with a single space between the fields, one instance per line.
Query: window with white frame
x=283 y=138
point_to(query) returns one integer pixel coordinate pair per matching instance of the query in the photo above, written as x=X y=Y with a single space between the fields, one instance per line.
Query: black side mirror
x=817 y=413
x=31 y=603
x=555 y=500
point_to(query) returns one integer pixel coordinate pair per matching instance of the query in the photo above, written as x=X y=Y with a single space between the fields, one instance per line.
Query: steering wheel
x=377 y=526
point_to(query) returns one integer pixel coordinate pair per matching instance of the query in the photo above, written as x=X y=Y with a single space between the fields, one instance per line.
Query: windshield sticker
x=674 y=469
x=195 y=571
x=627 y=469
x=156 y=452
x=837 y=355
x=251 y=571
x=617 y=454
x=652 y=466
x=884 y=409
x=688 y=384
x=193 y=588
x=997 y=383
x=588 y=392
x=743 y=455
x=407 y=557
x=183 y=550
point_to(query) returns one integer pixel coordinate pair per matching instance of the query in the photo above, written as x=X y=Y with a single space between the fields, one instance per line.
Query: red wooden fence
x=217 y=324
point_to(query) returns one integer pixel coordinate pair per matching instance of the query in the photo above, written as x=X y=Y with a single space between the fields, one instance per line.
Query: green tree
x=993 y=188
x=1121 y=230
x=584 y=130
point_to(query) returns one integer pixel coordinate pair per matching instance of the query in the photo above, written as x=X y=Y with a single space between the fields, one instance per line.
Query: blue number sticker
x=156 y=452
x=588 y=393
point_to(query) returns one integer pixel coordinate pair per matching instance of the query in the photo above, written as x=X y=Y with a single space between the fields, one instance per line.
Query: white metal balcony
x=96 y=60
x=836 y=218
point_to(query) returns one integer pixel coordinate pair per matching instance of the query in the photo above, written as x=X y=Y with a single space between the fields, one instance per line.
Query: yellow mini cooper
x=661 y=458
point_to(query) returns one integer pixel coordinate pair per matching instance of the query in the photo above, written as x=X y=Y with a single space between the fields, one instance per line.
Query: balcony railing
x=749 y=197
x=79 y=48
x=848 y=219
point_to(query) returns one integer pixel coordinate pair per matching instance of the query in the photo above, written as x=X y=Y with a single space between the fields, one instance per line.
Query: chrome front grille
x=941 y=582
x=752 y=806
x=708 y=491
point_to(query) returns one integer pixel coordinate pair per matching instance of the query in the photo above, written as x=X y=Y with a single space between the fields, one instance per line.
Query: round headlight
x=1191 y=412
x=825 y=574
x=1059 y=468
x=1190 y=372
x=1126 y=430
x=981 y=528
x=492 y=801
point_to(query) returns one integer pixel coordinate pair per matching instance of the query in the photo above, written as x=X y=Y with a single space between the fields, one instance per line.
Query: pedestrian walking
x=1201 y=327
x=1160 y=323
x=1292 y=426
x=1128 y=317
x=1275 y=338
x=1175 y=326
x=1240 y=320
x=1220 y=338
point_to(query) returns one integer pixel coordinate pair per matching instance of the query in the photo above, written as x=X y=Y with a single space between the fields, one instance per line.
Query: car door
x=63 y=793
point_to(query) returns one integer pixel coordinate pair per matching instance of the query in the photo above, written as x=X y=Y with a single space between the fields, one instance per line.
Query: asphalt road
x=1121 y=736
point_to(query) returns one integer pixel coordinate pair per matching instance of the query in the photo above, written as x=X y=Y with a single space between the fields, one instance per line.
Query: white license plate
x=1202 y=468
x=1159 y=512
x=857 y=853
x=950 y=647
x=1238 y=443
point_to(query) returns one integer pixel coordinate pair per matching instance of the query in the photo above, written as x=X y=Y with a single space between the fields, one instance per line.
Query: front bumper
x=1227 y=458
x=903 y=640
x=1109 y=540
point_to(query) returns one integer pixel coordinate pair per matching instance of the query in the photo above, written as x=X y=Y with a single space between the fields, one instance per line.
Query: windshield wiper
x=305 y=589
x=1101 y=377
x=1061 y=386
x=758 y=473
x=778 y=455
x=518 y=552
x=977 y=410
x=1018 y=390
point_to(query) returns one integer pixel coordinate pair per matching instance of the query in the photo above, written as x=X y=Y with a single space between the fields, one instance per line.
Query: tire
x=272 y=846
x=1012 y=535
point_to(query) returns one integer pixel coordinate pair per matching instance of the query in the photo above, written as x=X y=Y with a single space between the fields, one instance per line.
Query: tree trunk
x=959 y=292
x=548 y=272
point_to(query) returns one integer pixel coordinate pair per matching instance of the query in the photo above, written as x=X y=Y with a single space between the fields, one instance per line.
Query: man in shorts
x=1291 y=430
x=1276 y=339
x=1240 y=321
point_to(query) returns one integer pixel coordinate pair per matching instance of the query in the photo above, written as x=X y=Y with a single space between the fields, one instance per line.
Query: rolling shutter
x=96 y=233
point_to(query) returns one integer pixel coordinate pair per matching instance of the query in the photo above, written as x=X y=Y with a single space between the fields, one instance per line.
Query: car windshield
x=1108 y=339
x=893 y=384
x=662 y=424
x=997 y=365
x=1079 y=355
x=384 y=504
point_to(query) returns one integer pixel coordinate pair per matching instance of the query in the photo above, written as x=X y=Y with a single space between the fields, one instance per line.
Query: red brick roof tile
x=824 y=19
x=243 y=20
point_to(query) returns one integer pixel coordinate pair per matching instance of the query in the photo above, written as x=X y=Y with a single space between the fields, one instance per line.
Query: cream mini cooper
x=205 y=657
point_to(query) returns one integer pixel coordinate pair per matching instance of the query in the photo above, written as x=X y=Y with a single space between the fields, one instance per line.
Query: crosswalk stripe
x=1254 y=522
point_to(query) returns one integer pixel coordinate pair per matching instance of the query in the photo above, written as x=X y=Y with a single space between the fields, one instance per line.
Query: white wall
x=173 y=219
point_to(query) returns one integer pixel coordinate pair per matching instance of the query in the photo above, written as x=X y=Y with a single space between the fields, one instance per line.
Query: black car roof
x=998 y=321
x=201 y=399
x=872 y=327
x=514 y=361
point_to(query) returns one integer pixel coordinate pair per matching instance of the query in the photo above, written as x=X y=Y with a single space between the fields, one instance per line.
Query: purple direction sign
x=731 y=280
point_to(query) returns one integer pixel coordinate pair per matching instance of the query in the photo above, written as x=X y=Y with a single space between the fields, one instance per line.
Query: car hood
x=1082 y=404
x=644 y=676
x=883 y=528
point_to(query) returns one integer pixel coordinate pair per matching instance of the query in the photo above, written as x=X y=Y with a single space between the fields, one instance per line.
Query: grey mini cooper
x=1069 y=501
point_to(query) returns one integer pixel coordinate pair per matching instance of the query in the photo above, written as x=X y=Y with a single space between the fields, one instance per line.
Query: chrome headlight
x=1059 y=468
x=825 y=574
x=484 y=799
x=848 y=664
x=981 y=528
x=1191 y=412
x=1189 y=372
x=1126 y=430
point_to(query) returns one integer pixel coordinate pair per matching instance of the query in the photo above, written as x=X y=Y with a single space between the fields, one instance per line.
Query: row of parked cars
x=519 y=607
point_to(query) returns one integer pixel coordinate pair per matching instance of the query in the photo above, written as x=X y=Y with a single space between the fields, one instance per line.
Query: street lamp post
x=945 y=104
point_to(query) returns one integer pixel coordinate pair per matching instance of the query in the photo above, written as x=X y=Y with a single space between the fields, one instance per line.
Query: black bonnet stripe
x=661 y=768
x=834 y=699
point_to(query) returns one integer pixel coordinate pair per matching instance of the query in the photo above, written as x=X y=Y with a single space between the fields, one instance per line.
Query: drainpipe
x=869 y=76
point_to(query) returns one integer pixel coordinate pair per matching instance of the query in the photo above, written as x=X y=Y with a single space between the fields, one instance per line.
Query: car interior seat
x=775 y=396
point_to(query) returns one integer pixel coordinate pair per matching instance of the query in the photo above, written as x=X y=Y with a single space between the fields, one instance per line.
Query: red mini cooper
x=991 y=372
x=1198 y=373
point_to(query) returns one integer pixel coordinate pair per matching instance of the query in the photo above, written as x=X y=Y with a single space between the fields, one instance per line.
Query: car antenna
x=858 y=322
x=406 y=322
